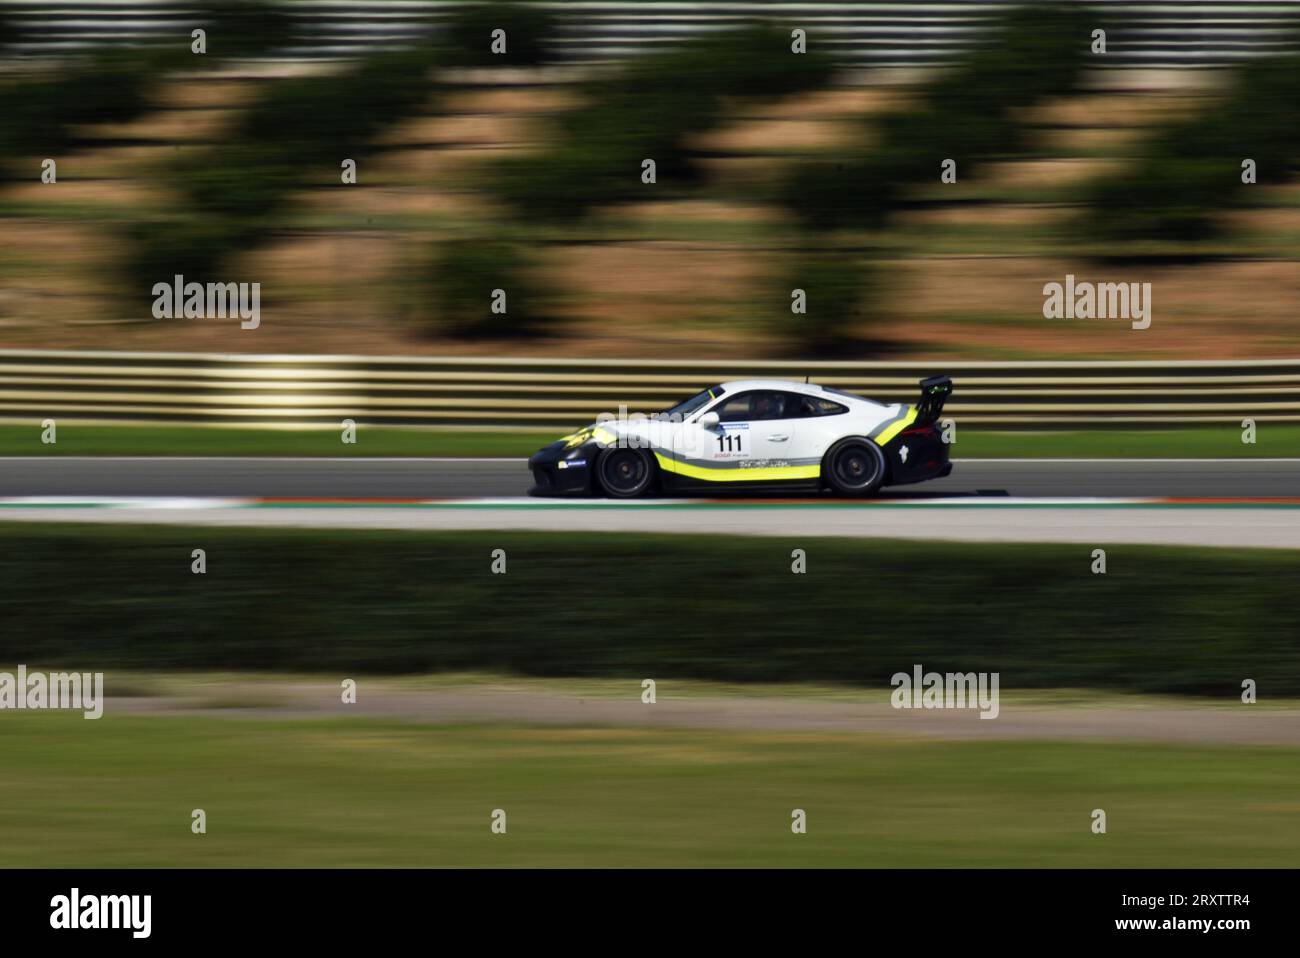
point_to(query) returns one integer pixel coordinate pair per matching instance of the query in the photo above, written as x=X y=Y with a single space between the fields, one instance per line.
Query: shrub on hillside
x=966 y=114
x=835 y=287
x=296 y=135
x=472 y=281
x=651 y=110
x=1191 y=170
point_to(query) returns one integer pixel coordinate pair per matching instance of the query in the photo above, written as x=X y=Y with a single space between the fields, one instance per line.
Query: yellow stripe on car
x=598 y=433
x=757 y=474
x=893 y=429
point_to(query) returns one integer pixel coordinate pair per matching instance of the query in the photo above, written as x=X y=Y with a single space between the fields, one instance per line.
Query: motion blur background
x=776 y=171
x=1122 y=689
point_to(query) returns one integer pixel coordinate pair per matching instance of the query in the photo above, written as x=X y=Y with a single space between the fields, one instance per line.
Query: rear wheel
x=854 y=467
x=625 y=473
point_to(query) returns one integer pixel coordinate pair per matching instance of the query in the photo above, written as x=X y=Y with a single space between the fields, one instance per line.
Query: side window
x=754 y=406
x=735 y=409
x=827 y=407
x=799 y=406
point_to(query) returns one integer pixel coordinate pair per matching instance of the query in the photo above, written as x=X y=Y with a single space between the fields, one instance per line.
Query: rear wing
x=934 y=393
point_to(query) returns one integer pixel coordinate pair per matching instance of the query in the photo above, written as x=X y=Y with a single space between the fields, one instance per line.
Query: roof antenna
x=805 y=378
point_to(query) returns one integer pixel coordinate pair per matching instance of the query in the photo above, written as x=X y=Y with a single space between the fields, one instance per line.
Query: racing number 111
x=730 y=442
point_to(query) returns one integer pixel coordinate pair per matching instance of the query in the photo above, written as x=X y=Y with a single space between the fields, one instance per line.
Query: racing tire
x=625 y=473
x=854 y=467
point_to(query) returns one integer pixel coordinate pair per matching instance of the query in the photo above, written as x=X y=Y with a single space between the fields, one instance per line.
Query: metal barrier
x=1156 y=33
x=493 y=393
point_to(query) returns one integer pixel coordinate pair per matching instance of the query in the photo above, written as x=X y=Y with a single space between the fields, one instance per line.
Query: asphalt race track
x=1244 y=503
x=476 y=478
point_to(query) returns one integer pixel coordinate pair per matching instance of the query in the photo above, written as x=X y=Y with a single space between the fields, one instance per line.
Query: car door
x=752 y=429
x=816 y=424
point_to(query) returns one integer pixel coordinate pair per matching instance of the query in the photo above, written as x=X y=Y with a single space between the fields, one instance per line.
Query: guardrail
x=1149 y=33
x=494 y=393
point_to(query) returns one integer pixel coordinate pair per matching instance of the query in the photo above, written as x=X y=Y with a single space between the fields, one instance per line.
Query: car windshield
x=688 y=406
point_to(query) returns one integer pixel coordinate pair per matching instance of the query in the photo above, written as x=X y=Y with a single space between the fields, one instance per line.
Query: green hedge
x=1161 y=620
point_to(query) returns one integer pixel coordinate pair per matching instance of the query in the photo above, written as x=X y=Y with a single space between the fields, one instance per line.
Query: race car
x=753 y=434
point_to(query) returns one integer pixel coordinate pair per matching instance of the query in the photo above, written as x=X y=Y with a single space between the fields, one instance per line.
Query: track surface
x=461 y=478
x=983 y=501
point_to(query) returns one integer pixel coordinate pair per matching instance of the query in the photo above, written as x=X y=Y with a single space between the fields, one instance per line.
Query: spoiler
x=934 y=393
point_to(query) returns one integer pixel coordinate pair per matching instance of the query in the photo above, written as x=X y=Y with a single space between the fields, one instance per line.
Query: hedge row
x=1160 y=620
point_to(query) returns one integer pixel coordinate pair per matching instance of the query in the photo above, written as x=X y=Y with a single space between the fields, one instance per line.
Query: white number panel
x=731 y=441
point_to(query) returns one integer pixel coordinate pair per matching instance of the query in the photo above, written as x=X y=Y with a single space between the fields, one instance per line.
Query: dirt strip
x=1244 y=725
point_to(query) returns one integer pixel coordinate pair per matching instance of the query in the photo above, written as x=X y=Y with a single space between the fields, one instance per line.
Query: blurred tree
x=295 y=135
x=486 y=288
x=652 y=108
x=237 y=29
x=467 y=36
x=10 y=33
x=1191 y=170
x=835 y=286
x=968 y=114
x=43 y=117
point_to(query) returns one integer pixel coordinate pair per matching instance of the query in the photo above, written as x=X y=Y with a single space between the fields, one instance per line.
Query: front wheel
x=625 y=473
x=854 y=467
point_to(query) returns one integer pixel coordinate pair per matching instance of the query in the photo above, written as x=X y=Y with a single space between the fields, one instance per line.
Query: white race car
x=754 y=433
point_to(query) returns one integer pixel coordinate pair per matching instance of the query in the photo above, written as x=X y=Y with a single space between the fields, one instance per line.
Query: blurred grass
x=119 y=792
x=1164 y=620
x=1274 y=440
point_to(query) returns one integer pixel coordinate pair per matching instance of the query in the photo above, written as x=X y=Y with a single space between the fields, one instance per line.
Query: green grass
x=727 y=609
x=1273 y=440
x=120 y=791
x=1277 y=440
x=140 y=440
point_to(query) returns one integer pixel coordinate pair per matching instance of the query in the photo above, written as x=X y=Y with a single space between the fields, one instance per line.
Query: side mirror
x=709 y=420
